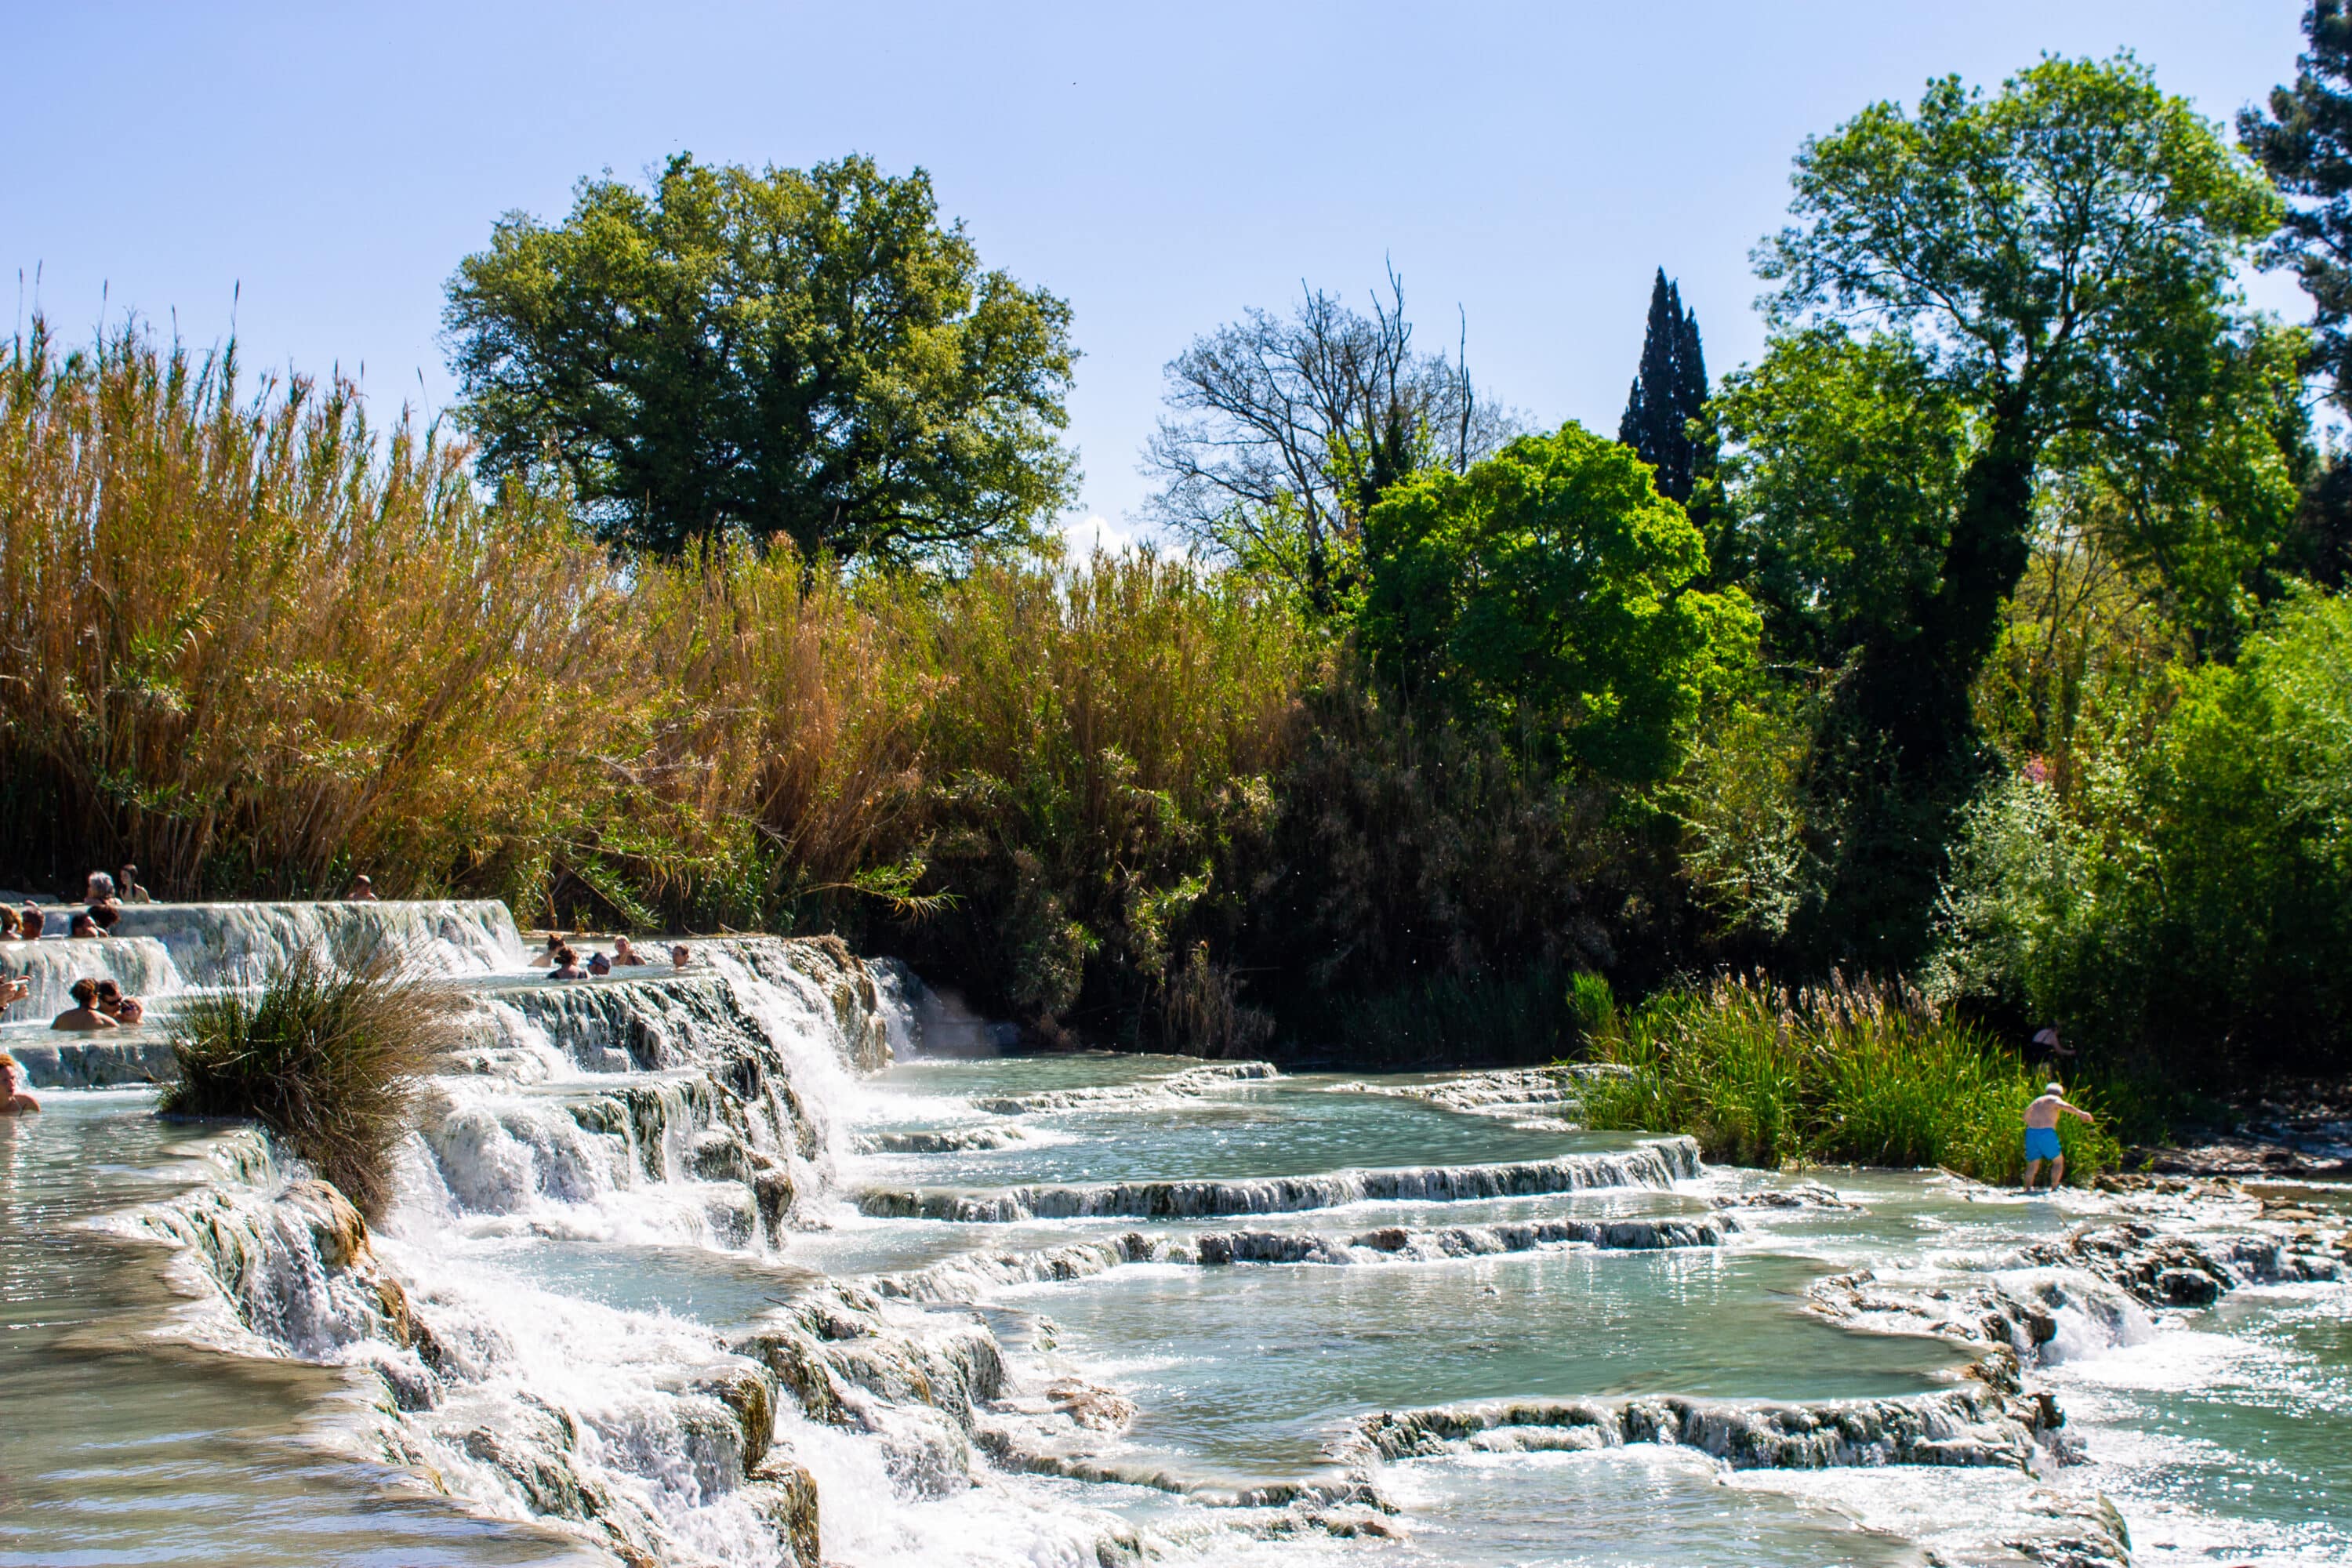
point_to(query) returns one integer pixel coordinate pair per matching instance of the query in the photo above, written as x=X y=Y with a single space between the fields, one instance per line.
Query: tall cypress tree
x=1668 y=392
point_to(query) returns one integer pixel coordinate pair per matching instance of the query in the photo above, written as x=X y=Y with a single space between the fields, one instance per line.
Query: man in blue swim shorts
x=2041 y=1135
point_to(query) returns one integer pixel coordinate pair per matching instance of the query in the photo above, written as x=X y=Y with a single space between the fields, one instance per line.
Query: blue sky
x=1162 y=168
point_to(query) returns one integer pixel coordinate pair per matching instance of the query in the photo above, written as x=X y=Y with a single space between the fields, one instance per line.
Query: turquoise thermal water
x=2221 y=1433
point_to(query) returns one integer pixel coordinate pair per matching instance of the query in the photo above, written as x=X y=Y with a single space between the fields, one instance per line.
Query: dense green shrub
x=1423 y=866
x=2191 y=897
x=326 y=1054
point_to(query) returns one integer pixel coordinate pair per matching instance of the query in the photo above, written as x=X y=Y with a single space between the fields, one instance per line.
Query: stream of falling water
x=682 y=1271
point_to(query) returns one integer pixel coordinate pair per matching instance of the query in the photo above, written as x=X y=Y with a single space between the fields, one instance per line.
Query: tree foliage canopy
x=1551 y=584
x=773 y=355
x=2062 y=255
x=2048 y=272
x=1845 y=454
x=2044 y=241
x=2306 y=142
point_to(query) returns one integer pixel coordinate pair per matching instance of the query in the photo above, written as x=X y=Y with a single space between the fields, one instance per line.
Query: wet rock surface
x=696 y=1094
x=1548 y=1095
x=2300 y=1130
x=67 y=1061
x=2165 y=1270
x=1189 y=1083
x=1658 y=1163
x=1969 y=1425
x=973 y=1274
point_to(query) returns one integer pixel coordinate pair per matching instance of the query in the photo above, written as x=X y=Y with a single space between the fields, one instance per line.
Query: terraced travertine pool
x=681 y=1271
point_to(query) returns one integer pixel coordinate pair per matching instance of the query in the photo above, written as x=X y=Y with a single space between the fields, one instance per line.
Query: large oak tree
x=806 y=356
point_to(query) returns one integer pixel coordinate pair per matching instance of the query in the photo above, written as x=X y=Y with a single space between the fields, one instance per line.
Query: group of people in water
x=99 y=1004
x=102 y=899
x=625 y=954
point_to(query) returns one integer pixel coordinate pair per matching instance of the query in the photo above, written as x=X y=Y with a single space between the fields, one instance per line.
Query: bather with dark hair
x=83 y=1015
x=127 y=1011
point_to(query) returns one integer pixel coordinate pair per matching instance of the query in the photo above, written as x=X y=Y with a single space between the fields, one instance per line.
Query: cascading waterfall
x=141 y=966
x=678 y=1264
x=237 y=944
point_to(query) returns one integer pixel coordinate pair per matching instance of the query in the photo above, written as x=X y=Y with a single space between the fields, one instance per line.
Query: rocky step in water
x=644 y=1432
x=669 y=1445
x=939 y=1394
x=758 y=1034
x=974 y=1276
x=1503 y=1092
x=813 y=970
x=1189 y=1084
x=115 y=1060
x=238 y=944
x=943 y=1140
x=728 y=1171
x=2086 y=1293
x=1973 y=1424
x=1656 y=1164
x=2170 y=1269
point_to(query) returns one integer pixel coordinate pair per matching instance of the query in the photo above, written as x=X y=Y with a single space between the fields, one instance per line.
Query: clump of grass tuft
x=326 y=1054
x=1847 y=1073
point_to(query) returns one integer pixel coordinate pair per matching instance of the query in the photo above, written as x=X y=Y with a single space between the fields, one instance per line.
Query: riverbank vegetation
x=327 y=1055
x=1980 y=639
x=1840 y=1073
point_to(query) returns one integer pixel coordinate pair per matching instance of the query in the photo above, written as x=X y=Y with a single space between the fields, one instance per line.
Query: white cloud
x=1082 y=535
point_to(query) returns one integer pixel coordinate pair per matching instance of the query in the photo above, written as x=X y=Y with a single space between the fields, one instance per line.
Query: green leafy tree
x=1669 y=391
x=2304 y=141
x=2060 y=257
x=1843 y=461
x=1552 y=585
x=769 y=355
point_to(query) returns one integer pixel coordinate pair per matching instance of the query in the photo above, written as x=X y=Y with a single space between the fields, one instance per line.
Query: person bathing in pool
x=14 y=1101
x=2041 y=1135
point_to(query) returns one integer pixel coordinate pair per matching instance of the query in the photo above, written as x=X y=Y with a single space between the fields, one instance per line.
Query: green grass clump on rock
x=326 y=1054
x=1844 y=1073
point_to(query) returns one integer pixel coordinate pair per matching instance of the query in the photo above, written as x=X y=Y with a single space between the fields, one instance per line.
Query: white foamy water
x=237 y=944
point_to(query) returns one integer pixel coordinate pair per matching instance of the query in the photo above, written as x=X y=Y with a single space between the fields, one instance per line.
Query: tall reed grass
x=253 y=641
x=256 y=642
x=1846 y=1073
